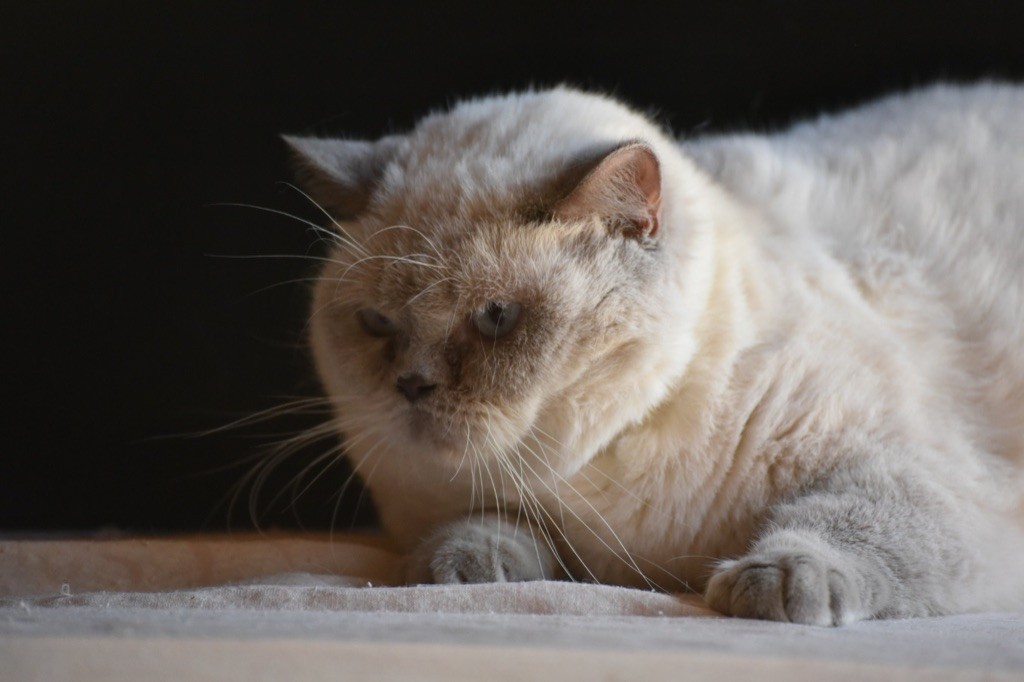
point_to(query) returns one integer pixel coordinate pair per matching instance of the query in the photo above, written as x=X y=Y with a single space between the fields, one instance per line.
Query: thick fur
x=802 y=394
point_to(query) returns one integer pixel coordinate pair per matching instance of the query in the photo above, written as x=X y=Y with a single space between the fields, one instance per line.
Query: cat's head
x=498 y=276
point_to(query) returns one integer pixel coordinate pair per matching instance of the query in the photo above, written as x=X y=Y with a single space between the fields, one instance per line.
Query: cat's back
x=919 y=197
x=942 y=164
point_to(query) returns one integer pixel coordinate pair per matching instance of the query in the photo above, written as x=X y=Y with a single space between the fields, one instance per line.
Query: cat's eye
x=497 y=319
x=375 y=324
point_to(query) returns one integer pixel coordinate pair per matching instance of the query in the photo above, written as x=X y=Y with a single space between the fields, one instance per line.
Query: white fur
x=841 y=300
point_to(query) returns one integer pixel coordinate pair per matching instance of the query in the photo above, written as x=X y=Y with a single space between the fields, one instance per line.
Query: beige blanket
x=282 y=607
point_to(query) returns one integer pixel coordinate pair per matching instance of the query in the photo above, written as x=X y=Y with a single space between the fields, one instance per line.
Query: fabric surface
x=281 y=607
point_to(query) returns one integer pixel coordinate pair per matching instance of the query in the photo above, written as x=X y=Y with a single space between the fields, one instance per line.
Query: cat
x=785 y=370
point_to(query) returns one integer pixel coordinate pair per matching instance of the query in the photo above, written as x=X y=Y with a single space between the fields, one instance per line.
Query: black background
x=128 y=329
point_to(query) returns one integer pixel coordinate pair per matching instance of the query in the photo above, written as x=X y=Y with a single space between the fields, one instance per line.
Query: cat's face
x=498 y=277
x=454 y=339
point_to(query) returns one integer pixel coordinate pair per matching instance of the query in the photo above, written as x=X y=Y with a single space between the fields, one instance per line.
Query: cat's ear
x=624 y=187
x=340 y=175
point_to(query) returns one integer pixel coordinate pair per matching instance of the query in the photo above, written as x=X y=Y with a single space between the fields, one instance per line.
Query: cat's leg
x=856 y=547
x=483 y=551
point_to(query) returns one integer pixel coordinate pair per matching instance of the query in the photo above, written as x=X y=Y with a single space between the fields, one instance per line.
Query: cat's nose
x=414 y=386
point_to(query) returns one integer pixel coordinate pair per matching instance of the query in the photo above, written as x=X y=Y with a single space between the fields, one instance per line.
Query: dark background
x=128 y=328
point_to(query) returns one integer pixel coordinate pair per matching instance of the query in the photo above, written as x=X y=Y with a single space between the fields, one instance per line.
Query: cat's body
x=803 y=351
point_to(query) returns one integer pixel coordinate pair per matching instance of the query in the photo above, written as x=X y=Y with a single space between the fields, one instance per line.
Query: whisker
x=337 y=238
x=529 y=501
x=657 y=510
x=334 y=222
x=274 y=256
x=426 y=289
x=628 y=558
x=420 y=233
x=340 y=495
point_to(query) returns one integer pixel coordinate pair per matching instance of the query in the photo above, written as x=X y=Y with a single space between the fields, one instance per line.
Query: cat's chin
x=443 y=437
x=425 y=429
x=449 y=438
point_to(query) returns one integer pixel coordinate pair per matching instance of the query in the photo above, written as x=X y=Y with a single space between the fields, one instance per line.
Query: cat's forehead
x=497 y=157
x=467 y=195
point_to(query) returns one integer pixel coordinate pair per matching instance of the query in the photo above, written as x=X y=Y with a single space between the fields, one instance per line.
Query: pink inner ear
x=625 y=185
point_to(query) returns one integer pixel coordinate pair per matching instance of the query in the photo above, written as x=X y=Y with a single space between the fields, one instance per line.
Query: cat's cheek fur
x=481 y=550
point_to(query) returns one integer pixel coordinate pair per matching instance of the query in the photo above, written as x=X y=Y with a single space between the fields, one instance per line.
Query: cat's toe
x=481 y=558
x=795 y=588
x=465 y=562
x=477 y=553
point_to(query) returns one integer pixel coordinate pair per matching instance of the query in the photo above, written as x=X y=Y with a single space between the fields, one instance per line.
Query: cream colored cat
x=786 y=370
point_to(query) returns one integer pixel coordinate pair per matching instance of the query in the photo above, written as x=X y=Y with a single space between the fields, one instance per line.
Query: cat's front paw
x=480 y=552
x=795 y=587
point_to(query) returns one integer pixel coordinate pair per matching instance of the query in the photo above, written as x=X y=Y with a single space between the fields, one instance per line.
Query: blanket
x=318 y=607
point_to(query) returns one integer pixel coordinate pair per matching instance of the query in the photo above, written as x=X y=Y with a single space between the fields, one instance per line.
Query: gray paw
x=793 y=587
x=474 y=552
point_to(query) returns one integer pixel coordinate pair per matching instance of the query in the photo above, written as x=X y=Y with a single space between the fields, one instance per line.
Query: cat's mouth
x=457 y=431
x=439 y=431
x=424 y=425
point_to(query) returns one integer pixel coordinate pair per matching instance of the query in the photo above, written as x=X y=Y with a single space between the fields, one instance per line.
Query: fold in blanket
x=284 y=572
x=305 y=592
x=235 y=607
